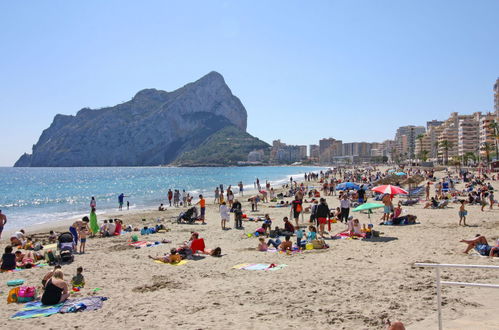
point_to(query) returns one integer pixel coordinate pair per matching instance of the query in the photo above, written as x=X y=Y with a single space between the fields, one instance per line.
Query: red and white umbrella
x=389 y=189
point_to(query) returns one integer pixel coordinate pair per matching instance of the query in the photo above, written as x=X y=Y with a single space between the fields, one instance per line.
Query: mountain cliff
x=153 y=128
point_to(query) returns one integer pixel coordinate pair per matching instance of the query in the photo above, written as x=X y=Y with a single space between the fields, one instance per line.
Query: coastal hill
x=153 y=128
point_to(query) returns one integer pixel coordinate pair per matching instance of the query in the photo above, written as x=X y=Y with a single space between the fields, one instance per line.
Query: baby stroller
x=66 y=247
x=189 y=216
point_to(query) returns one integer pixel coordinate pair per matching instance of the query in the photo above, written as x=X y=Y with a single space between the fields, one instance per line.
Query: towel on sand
x=36 y=309
x=142 y=244
x=89 y=303
x=270 y=267
x=180 y=263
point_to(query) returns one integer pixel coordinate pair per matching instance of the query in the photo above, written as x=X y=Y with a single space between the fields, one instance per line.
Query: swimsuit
x=52 y=294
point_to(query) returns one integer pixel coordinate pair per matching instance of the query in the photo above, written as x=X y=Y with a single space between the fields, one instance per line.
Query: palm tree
x=446 y=145
x=423 y=155
x=436 y=150
x=487 y=148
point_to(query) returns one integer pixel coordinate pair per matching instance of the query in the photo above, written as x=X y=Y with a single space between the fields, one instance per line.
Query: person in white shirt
x=224 y=214
x=345 y=207
x=111 y=227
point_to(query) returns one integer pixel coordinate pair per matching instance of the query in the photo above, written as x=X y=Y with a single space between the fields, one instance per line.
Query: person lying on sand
x=25 y=260
x=171 y=258
x=480 y=244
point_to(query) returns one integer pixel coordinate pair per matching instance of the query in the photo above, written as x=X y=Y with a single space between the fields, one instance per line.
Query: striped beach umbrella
x=389 y=189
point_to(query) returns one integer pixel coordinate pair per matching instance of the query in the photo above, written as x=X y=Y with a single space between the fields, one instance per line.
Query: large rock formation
x=153 y=128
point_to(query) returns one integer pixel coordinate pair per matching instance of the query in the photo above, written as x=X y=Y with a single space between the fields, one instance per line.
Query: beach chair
x=198 y=245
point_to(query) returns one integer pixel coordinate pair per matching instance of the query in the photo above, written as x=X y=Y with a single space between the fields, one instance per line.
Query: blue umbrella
x=400 y=173
x=347 y=185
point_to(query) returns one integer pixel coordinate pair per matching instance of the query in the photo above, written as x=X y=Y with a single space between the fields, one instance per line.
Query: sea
x=40 y=196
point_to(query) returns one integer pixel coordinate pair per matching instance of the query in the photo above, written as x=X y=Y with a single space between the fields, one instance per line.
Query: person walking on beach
x=238 y=214
x=241 y=188
x=462 y=213
x=217 y=196
x=322 y=214
x=93 y=203
x=202 y=205
x=176 y=198
x=170 y=196
x=428 y=191
x=224 y=215
x=94 y=226
x=296 y=209
x=3 y=221
x=121 y=199
x=184 y=198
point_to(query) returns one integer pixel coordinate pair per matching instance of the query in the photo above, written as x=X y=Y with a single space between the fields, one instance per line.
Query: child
x=78 y=280
x=202 y=206
x=299 y=236
x=8 y=259
x=83 y=238
x=312 y=234
x=462 y=213
x=224 y=214
x=52 y=237
x=262 y=246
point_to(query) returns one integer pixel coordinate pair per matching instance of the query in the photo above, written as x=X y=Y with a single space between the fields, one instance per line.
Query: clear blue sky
x=353 y=70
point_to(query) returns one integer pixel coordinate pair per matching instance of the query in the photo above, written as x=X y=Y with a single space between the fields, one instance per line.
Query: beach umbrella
x=367 y=206
x=347 y=185
x=391 y=170
x=389 y=189
x=400 y=173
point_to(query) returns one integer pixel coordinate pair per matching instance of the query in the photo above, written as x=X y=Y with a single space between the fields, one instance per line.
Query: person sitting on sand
x=103 y=229
x=287 y=245
x=78 y=281
x=8 y=259
x=56 y=289
x=262 y=246
x=52 y=237
x=312 y=234
x=49 y=275
x=18 y=238
x=480 y=244
x=161 y=207
x=288 y=227
x=172 y=258
x=111 y=227
x=432 y=203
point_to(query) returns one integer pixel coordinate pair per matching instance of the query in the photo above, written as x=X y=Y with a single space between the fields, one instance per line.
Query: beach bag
x=318 y=244
x=26 y=293
x=12 y=296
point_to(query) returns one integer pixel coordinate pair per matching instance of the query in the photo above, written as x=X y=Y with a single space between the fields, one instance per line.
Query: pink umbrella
x=389 y=189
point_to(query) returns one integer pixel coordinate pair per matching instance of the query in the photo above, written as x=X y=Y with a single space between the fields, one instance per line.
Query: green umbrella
x=367 y=206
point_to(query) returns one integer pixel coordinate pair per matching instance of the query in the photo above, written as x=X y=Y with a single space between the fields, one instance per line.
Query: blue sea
x=35 y=196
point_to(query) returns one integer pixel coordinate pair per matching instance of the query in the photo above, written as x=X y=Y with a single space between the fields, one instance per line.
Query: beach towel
x=347 y=236
x=400 y=224
x=36 y=309
x=21 y=269
x=81 y=304
x=271 y=267
x=180 y=263
x=142 y=244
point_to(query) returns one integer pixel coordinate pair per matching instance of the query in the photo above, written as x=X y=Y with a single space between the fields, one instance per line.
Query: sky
x=353 y=70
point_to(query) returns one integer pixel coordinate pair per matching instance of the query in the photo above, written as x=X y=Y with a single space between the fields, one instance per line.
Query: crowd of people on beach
x=307 y=227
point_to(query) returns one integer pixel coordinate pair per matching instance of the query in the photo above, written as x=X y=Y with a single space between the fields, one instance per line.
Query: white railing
x=440 y=283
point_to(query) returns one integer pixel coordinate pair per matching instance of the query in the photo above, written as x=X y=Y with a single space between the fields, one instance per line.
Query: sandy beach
x=355 y=284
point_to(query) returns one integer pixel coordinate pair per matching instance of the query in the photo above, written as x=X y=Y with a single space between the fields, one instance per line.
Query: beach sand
x=354 y=284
